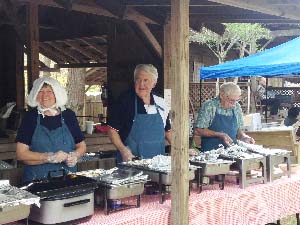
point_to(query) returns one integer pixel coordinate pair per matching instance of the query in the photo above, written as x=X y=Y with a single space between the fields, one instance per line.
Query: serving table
x=256 y=204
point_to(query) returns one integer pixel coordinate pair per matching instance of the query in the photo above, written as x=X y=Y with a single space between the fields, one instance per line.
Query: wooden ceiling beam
x=83 y=51
x=240 y=19
x=9 y=7
x=285 y=33
x=132 y=14
x=50 y=55
x=46 y=69
x=100 y=49
x=266 y=7
x=87 y=7
x=151 y=38
x=81 y=65
x=102 y=38
x=53 y=54
x=64 y=51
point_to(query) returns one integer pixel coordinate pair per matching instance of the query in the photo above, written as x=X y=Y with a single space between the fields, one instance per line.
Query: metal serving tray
x=123 y=191
x=166 y=178
x=214 y=168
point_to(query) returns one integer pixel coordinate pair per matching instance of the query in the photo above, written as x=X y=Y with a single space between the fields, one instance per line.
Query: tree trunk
x=76 y=92
x=47 y=62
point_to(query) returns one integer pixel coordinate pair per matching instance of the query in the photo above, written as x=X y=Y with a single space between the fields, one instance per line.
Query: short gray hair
x=149 y=68
x=230 y=88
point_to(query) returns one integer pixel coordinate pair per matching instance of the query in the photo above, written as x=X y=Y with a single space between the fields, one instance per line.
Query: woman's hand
x=72 y=159
x=226 y=139
x=248 y=139
x=193 y=152
x=126 y=154
x=57 y=157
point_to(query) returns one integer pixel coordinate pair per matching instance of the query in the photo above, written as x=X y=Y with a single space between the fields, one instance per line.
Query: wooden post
x=180 y=130
x=32 y=43
x=167 y=56
x=20 y=88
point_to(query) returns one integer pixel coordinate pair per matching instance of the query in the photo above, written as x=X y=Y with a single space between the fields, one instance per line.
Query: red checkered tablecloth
x=255 y=205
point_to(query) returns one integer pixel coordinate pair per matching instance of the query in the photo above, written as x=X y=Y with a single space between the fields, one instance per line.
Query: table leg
x=138 y=201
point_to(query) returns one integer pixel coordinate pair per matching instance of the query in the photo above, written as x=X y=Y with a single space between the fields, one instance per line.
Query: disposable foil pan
x=166 y=178
x=123 y=191
x=214 y=168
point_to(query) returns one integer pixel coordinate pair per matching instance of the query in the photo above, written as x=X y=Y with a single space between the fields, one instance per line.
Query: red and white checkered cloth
x=256 y=205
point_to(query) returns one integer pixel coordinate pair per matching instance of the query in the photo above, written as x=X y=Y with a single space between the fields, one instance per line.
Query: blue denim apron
x=45 y=140
x=146 y=138
x=224 y=124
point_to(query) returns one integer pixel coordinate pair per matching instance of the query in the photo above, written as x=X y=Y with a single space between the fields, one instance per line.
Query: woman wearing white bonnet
x=49 y=137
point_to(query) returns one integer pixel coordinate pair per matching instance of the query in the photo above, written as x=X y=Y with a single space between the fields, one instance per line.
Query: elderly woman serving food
x=220 y=120
x=49 y=138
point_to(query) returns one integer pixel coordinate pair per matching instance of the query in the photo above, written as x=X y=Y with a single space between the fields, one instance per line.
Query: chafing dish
x=63 y=198
x=15 y=203
x=274 y=157
x=210 y=166
x=159 y=170
x=115 y=184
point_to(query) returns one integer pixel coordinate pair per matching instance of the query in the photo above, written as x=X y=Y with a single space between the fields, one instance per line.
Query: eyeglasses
x=231 y=100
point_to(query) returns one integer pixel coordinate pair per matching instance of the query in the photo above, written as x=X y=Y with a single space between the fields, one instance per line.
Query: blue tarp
x=282 y=60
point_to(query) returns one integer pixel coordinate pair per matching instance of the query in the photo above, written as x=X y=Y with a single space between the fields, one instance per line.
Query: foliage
x=235 y=34
x=249 y=36
x=218 y=44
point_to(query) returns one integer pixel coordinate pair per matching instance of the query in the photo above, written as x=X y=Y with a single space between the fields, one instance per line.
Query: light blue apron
x=146 y=138
x=224 y=124
x=45 y=140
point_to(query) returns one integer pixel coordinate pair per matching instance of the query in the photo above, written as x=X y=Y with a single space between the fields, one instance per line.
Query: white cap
x=59 y=92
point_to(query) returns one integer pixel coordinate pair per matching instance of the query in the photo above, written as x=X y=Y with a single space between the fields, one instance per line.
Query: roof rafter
x=83 y=51
x=63 y=51
x=264 y=6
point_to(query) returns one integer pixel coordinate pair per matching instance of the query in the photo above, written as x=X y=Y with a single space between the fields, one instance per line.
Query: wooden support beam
x=264 y=6
x=83 y=51
x=10 y=9
x=20 y=80
x=180 y=115
x=32 y=42
x=285 y=33
x=102 y=50
x=88 y=7
x=132 y=14
x=80 y=65
x=54 y=54
x=47 y=69
x=168 y=76
x=64 y=51
x=151 y=38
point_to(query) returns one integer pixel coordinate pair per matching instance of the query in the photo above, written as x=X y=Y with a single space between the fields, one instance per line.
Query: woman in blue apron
x=49 y=138
x=220 y=120
x=139 y=123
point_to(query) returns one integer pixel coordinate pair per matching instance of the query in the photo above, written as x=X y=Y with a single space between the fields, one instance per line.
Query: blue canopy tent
x=279 y=61
x=282 y=60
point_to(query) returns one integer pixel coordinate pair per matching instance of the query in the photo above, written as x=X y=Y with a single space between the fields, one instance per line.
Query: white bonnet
x=59 y=92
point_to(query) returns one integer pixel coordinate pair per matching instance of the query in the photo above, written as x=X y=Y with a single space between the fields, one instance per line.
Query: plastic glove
x=72 y=159
x=126 y=154
x=56 y=157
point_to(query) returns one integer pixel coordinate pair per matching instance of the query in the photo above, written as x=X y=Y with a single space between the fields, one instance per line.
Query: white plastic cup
x=89 y=127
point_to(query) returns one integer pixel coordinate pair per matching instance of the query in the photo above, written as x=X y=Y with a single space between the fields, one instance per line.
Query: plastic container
x=89 y=127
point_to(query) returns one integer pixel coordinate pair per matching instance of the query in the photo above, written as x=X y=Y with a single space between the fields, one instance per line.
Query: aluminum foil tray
x=123 y=191
x=167 y=178
x=214 y=168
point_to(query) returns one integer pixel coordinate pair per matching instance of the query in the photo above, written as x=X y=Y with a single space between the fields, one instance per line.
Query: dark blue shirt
x=122 y=113
x=29 y=122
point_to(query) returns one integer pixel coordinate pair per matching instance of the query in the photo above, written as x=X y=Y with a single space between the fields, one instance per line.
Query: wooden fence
x=208 y=91
x=94 y=109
